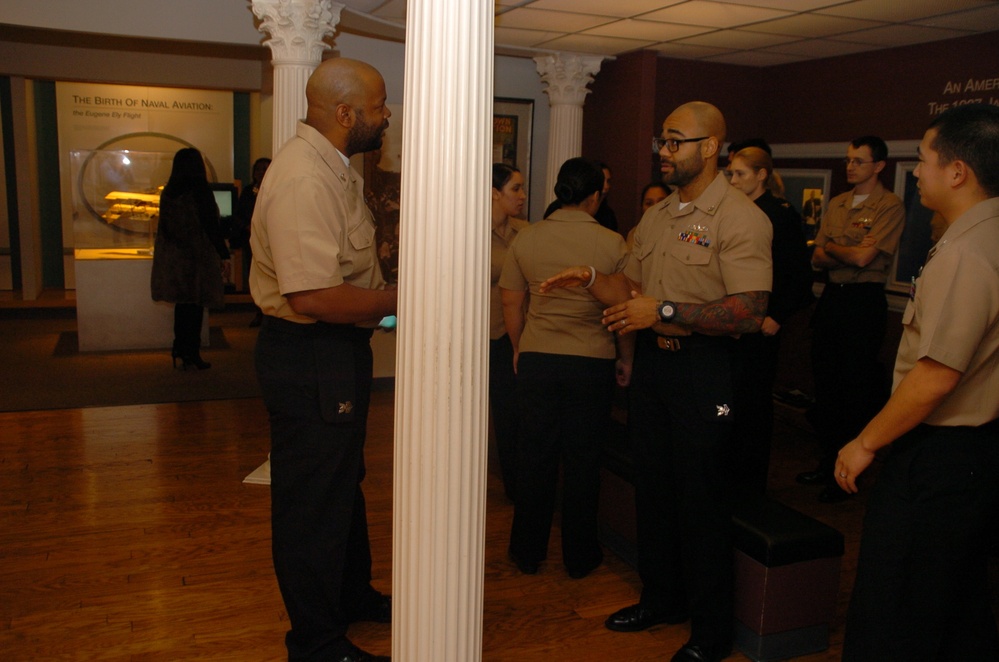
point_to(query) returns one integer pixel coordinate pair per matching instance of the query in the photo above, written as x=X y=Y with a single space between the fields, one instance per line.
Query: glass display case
x=115 y=214
x=116 y=198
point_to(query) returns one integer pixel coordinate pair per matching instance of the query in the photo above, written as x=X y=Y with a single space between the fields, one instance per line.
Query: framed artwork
x=807 y=190
x=919 y=233
x=512 y=119
x=382 y=171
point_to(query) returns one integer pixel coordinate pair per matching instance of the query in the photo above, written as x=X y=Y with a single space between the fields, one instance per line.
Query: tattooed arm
x=728 y=316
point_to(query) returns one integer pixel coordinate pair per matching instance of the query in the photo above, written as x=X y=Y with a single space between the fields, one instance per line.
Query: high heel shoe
x=196 y=362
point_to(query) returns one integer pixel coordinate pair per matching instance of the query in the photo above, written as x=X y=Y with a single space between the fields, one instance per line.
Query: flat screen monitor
x=225 y=198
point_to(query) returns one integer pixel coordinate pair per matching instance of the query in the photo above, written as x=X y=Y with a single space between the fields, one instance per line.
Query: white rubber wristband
x=593 y=278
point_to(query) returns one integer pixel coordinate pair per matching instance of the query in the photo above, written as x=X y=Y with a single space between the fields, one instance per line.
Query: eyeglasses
x=856 y=162
x=672 y=144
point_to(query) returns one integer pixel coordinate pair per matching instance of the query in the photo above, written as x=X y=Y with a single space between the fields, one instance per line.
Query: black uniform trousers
x=754 y=424
x=503 y=409
x=680 y=421
x=922 y=591
x=851 y=383
x=316 y=384
x=564 y=403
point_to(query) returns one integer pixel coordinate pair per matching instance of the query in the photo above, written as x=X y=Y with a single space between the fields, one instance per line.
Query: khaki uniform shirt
x=881 y=215
x=717 y=245
x=952 y=317
x=311 y=229
x=563 y=321
x=501 y=242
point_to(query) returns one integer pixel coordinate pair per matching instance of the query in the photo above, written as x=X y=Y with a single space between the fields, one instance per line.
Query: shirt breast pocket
x=691 y=254
x=362 y=236
x=855 y=234
x=908 y=313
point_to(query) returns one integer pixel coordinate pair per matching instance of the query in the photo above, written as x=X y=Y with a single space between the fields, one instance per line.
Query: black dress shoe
x=697 y=653
x=579 y=573
x=378 y=611
x=582 y=571
x=832 y=494
x=355 y=654
x=817 y=477
x=637 y=618
x=526 y=567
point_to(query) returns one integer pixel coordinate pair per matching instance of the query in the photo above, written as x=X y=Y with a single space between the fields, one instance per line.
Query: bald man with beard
x=699 y=275
x=316 y=277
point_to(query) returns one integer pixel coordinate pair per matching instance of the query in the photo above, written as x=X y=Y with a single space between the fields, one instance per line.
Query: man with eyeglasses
x=699 y=274
x=857 y=237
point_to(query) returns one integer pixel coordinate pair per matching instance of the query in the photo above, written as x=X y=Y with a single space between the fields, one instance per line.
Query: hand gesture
x=639 y=312
x=571 y=277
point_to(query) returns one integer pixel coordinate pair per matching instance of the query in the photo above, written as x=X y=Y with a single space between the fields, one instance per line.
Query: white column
x=441 y=366
x=567 y=76
x=296 y=29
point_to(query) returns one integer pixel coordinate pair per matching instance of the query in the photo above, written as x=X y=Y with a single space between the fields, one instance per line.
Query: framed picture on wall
x=512 y=119
x=807 y=190
x=382 y=171
x=919 y=233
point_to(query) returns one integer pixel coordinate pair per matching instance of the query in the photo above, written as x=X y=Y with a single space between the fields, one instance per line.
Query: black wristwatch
x=667 y=311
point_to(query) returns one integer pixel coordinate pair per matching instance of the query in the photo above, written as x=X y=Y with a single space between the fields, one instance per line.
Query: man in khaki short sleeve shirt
x=922 y=590
x=699 y=275
x=315 y=276
x=858 y=236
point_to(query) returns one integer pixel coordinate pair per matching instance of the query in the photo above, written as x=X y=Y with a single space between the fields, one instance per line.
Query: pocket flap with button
x=362 y=236
x=690 y=253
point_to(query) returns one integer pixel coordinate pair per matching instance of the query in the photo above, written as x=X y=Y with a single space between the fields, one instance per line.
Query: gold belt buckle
x=669 y=344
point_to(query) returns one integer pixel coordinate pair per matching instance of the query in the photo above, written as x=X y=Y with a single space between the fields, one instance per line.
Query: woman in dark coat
x=189 y=255
x=752 y=172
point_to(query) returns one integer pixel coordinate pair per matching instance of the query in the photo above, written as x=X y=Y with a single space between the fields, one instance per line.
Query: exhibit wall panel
x=149 y=119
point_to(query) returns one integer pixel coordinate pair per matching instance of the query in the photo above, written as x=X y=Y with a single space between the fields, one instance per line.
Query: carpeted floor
x=43 y=368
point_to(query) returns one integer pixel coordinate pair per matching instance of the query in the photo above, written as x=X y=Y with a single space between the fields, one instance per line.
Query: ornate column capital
x=297 y=28
x=567 y=76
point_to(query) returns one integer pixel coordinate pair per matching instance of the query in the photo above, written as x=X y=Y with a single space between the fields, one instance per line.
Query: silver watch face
x=667 y=311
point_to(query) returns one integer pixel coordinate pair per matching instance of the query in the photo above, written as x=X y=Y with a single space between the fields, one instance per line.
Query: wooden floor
x=127 y=534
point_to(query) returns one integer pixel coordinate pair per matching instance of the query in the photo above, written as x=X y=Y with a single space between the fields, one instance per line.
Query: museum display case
x=116 y=196
x=115 y=214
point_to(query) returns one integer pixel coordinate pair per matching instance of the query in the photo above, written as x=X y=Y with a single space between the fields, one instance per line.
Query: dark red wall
x=887 y=93
x=620 y=134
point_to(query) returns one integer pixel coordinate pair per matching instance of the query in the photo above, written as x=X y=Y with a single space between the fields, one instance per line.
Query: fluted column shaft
x=442 y=360
x=566 y=76
x=297 y=29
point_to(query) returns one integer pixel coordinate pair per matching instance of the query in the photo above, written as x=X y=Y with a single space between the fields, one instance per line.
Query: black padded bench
x=787 y=567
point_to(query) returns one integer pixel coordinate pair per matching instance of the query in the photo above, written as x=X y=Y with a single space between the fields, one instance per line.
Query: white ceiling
x=747 y=32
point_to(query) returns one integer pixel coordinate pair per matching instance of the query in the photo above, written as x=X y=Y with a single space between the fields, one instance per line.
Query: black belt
x=317 y=329
x=676 y=343
x=868 y=285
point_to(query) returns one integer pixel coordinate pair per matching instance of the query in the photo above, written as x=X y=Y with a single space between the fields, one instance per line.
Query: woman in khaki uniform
x=565 y=364
x=508 y=204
